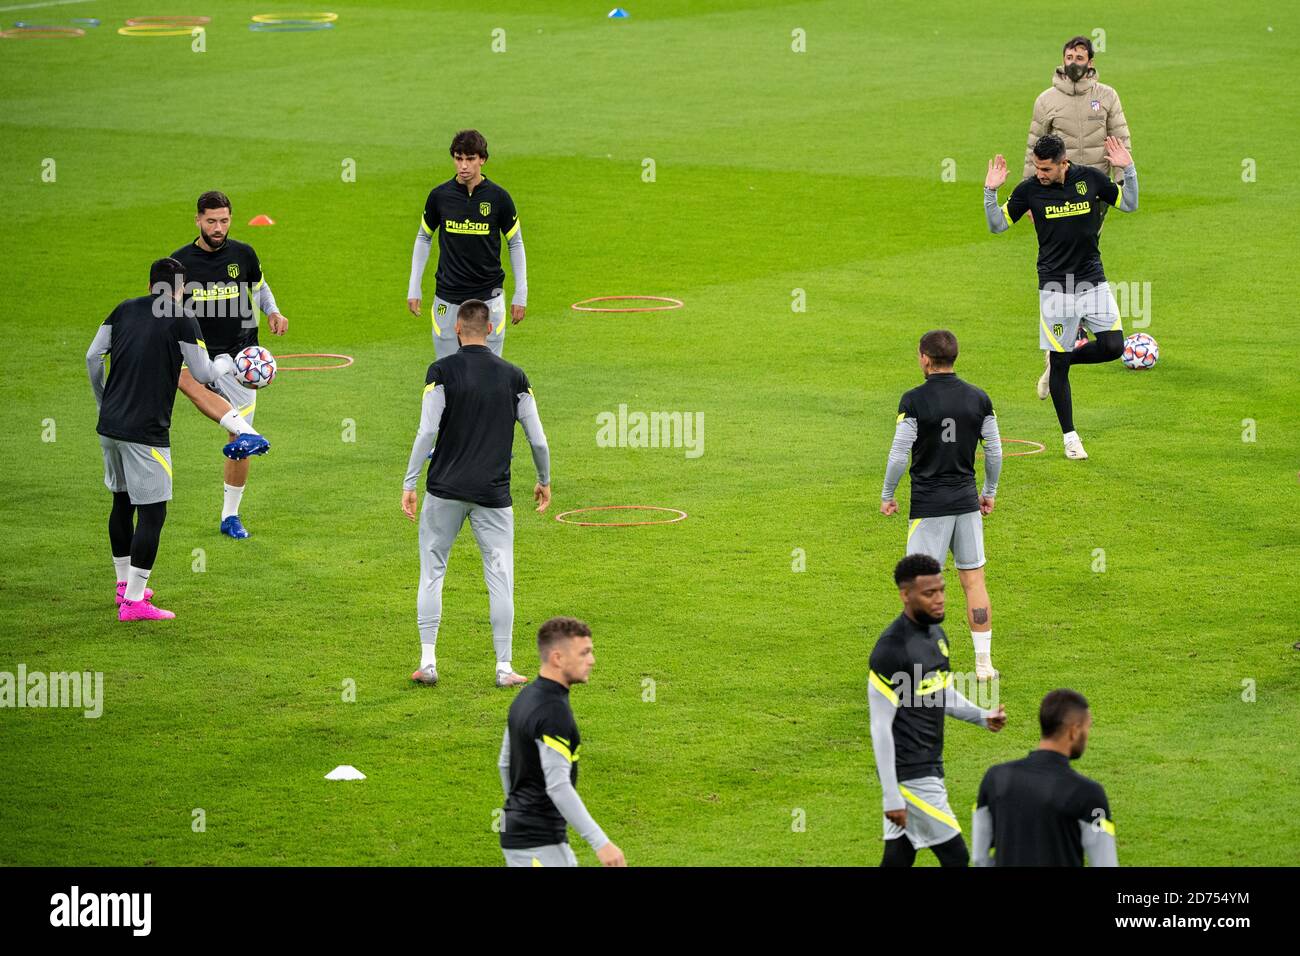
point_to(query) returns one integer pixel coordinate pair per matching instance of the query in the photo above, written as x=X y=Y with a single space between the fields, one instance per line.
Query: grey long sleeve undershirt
x=431 y=409
x=100 y=346
x=981 y=837
x=264 y=299
x=1128 y=190
x=904 y=438
x=518 y=265
x=992 y=456
x=558 y=787
x=1098 y=845
x=526 y=412
x=503 y=763
x=993 y=212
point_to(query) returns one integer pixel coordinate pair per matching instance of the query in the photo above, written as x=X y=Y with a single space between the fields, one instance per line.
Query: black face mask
x=1076 y=71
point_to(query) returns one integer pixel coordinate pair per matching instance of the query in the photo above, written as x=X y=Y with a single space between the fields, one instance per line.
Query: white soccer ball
x=1140 y=351
x=254 y=367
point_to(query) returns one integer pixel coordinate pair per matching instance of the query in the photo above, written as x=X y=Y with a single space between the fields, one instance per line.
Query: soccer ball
x=1140 y=351
x=255 y=367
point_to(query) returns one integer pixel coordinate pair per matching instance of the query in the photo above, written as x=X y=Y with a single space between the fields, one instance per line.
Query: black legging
x=140 y=541
x=900 y=852
x=1107 y=347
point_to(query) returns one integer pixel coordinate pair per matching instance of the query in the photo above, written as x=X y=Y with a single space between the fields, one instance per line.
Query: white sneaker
x=1044 y=383
x=984 y=669
x=427 y=675
x=510 y=679
x=1074 y=449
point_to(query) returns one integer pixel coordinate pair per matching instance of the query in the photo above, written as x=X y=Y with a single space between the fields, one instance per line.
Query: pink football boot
x=142 y=611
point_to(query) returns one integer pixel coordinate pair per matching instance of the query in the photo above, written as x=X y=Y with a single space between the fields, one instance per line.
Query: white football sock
x=1070 y=436
x=136 y=579
x=983 y=641
x=503 y=667
x=236 y=424
x=231 y=505
x=427 y=656
x=121 y=566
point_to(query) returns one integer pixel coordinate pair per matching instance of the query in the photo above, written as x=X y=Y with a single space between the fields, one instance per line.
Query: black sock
x=148 y=531
x=898 y=852
x=952 y=852
x=121 y=524
x=1107 y=347
x=1058 y=382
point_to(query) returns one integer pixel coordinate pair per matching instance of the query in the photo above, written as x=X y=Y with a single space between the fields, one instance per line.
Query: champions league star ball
x=1140 y=351
x=255 y=367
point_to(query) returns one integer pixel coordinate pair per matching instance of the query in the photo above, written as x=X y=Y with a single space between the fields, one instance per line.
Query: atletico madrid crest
x=484 y=208
x=232 y=270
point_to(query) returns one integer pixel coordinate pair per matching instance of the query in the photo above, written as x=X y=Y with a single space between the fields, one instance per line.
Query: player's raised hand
x=277 y=323
x=889 y=507
x=996 y=720
x=414 y=306
x=986 y=505
x=517 y=314
x=997 y=172
x=611 y=855
x=1116 y=154
x=409 y=504
x=542 y=495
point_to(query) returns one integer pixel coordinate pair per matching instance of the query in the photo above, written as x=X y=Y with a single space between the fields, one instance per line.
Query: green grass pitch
x=774 y=171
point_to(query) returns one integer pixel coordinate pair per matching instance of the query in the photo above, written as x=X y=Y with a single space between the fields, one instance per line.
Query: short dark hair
x=213 y=199
x=164 y=271
x=473 y=314
x=1050 y=147
x=914 y=566
x=559 y=629
x=1059 y=708
x=941 y=347
x=1071 y=43
x=469 y=142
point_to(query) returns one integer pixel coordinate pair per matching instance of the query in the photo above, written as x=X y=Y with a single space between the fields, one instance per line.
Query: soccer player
x=145 y=340
x=471 y=214
x=1039 y=811
x=940 y=425
x=472 y=400
x=910 y=690
x=225 y=285
x=1082 y=111
x=539 y=757
x=1066 y=201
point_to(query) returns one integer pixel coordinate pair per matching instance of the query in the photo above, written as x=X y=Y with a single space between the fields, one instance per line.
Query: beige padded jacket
x=1083 y=114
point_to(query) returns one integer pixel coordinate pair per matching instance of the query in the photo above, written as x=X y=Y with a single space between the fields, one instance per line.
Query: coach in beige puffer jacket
x=1083 y=113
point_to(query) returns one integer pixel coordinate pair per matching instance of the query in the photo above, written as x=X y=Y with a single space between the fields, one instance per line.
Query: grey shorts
x=963 y=535
x=1060 y=312
x=930 y=820
x=443 y=314
x=142 y=471
x=554 y=854
x=241 y=398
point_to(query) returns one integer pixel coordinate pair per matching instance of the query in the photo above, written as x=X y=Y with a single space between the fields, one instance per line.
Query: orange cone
x=261 y=221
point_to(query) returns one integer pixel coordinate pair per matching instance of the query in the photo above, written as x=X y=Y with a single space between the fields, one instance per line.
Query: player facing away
x=539 y=757
x=226 y=287
x=1066 y=201
x=940 y=424
x=471 y=214
x=472 y=400
x=910 y=691
x=1039 y=811
x=145 y=341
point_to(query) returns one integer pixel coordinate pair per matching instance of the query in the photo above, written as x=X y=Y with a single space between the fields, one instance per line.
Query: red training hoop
x=681 y=516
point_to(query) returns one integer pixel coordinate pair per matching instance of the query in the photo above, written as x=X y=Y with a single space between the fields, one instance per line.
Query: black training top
x=223 y=303
x=144 y=364
x=471 y=461
x=540 y=712
x=909 y=665
x=1037 y=804
x=1067 y=218
x=949 y=417
x=470 y=227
